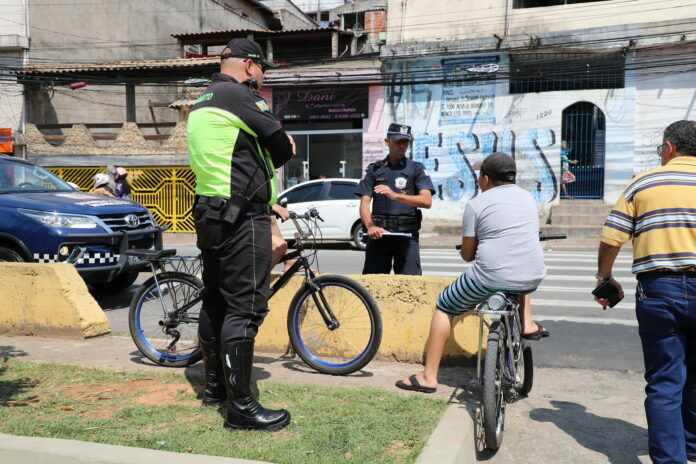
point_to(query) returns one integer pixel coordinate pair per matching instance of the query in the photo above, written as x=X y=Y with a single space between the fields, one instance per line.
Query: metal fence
x=166 y=191
x=583 y=130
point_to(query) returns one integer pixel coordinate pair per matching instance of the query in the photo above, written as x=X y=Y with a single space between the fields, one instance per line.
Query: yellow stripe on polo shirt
x=658 y=211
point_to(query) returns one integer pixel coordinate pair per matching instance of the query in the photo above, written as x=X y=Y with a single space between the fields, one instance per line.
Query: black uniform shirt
x=248 y=172
x=407 y=177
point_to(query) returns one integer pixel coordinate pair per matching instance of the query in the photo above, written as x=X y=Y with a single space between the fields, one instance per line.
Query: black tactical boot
x=243 y=411
x=214 y=392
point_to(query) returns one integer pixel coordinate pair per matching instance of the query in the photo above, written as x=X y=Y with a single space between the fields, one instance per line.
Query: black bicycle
x=508 y=369
x=333 y=322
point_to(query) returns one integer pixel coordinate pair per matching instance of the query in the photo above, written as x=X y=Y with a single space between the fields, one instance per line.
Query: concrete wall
x=97 y=31
x=12 y=20
x=373 y=128
x=425 y=21
x=406 y=304
x=11 y=98
x=13 y=42
x=457 y=124
x=312 y=6
x=664 y=93
x=48 y=300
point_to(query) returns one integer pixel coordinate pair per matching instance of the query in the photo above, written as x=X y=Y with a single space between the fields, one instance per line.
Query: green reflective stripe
x=274 y=179
x=211 y=136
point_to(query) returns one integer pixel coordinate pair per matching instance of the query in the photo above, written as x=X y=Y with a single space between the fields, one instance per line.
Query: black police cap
x=245 y=48
x=399 y=132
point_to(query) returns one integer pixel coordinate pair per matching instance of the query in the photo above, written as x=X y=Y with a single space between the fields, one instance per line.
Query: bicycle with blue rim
x=333 y=322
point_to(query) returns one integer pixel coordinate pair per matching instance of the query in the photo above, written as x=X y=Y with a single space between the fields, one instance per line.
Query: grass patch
x=161 y=411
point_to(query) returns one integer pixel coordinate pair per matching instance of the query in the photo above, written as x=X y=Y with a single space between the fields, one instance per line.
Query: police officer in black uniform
x=399 y=187
x=235 y=143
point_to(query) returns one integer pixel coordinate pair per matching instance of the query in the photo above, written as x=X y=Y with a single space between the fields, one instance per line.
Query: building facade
x=14 y=43
x=522 y=78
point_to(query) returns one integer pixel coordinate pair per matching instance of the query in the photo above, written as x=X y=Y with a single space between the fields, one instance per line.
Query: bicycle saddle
x=151 y=255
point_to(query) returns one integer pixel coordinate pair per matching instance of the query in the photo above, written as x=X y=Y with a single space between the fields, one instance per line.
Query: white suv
x=337 y=204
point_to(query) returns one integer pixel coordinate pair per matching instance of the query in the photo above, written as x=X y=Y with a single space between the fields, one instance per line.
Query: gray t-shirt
x=505 y=221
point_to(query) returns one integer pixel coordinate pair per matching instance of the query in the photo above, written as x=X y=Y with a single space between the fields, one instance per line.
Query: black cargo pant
x=401 y=252
x=236 y=269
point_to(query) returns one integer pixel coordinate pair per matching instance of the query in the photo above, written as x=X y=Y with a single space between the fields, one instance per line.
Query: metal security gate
x=166 y=191
x=584 y=131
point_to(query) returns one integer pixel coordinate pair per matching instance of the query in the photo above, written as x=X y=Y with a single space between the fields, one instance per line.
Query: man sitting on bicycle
x=500 y=234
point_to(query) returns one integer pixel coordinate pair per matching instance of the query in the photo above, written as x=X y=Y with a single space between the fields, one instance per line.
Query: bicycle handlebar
x=542 y=237
x=311 y=213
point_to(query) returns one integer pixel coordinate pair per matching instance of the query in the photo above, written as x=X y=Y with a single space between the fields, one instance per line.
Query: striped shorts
x=464 y=294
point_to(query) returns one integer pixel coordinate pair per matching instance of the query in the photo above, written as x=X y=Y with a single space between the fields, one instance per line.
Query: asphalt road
x=582 y=335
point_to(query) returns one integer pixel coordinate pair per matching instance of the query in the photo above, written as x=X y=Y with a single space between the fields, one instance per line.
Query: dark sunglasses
x=263 y=66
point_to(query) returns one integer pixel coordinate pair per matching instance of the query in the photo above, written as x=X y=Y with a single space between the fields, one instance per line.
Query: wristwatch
x=603 y=278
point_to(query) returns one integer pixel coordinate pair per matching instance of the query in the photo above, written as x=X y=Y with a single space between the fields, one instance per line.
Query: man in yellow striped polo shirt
x=658 y=210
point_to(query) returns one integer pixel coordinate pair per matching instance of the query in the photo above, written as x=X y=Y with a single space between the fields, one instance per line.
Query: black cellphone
x=609 y=291
x=235 y=206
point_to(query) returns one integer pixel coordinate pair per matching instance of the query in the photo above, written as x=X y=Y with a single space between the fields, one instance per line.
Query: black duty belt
x=219 y=203
x=665 y=273
x=398 y=223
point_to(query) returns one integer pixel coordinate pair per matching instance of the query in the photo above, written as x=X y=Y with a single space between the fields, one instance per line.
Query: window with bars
x=549 y=72
x=542 y=3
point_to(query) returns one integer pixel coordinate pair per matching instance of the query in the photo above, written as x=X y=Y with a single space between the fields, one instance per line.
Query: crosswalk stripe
x=588 y=320
x=457 y=258
x=588 y=303
x=624 y=281
x=552 y=289
x=569 y=267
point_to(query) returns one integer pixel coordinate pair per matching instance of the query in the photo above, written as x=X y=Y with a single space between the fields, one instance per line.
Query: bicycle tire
x=146 y=316
x=527 y=368
x=493 y=389
x=330 y=351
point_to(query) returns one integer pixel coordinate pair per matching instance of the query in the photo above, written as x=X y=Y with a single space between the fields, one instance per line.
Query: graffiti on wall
x=457 y=123
x=451 y=158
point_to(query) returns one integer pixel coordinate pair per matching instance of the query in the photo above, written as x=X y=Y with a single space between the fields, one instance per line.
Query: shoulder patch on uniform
x=263 y=106
x=204 y=97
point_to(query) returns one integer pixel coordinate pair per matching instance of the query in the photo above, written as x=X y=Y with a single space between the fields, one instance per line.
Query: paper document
x=396 y=234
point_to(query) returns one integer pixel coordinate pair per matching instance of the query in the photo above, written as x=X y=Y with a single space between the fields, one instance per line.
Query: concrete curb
x=454 y=439
x=32 y=450
x=48 y=299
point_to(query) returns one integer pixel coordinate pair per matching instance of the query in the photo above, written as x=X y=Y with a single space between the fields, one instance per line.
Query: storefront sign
x=321 y=104
x=5 y=140
x=467 y=102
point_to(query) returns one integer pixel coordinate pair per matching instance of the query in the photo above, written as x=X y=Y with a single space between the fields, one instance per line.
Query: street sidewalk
x=571 y=416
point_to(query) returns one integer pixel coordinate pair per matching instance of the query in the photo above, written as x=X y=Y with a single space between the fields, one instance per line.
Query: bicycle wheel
x=351 y=345
x=161 y=323
x=524 y=363
x=525 y=366
x=493 y=389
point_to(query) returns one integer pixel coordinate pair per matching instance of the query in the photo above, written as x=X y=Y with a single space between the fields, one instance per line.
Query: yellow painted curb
x=48 y=300
x=406 y=303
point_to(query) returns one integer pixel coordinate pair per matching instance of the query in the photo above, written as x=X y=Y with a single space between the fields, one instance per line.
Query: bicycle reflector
x=496 y=302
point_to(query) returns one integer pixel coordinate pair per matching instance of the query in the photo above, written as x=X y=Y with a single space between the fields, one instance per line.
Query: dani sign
x=320 y=104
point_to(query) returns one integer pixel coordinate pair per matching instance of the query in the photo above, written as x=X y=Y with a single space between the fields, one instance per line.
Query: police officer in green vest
x=235 y=144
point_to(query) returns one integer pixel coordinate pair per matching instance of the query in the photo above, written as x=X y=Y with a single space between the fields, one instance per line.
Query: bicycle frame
x=508 y=318
x=302 y=263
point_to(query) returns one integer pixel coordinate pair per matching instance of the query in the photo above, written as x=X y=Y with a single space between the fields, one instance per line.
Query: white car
x=337 y=204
